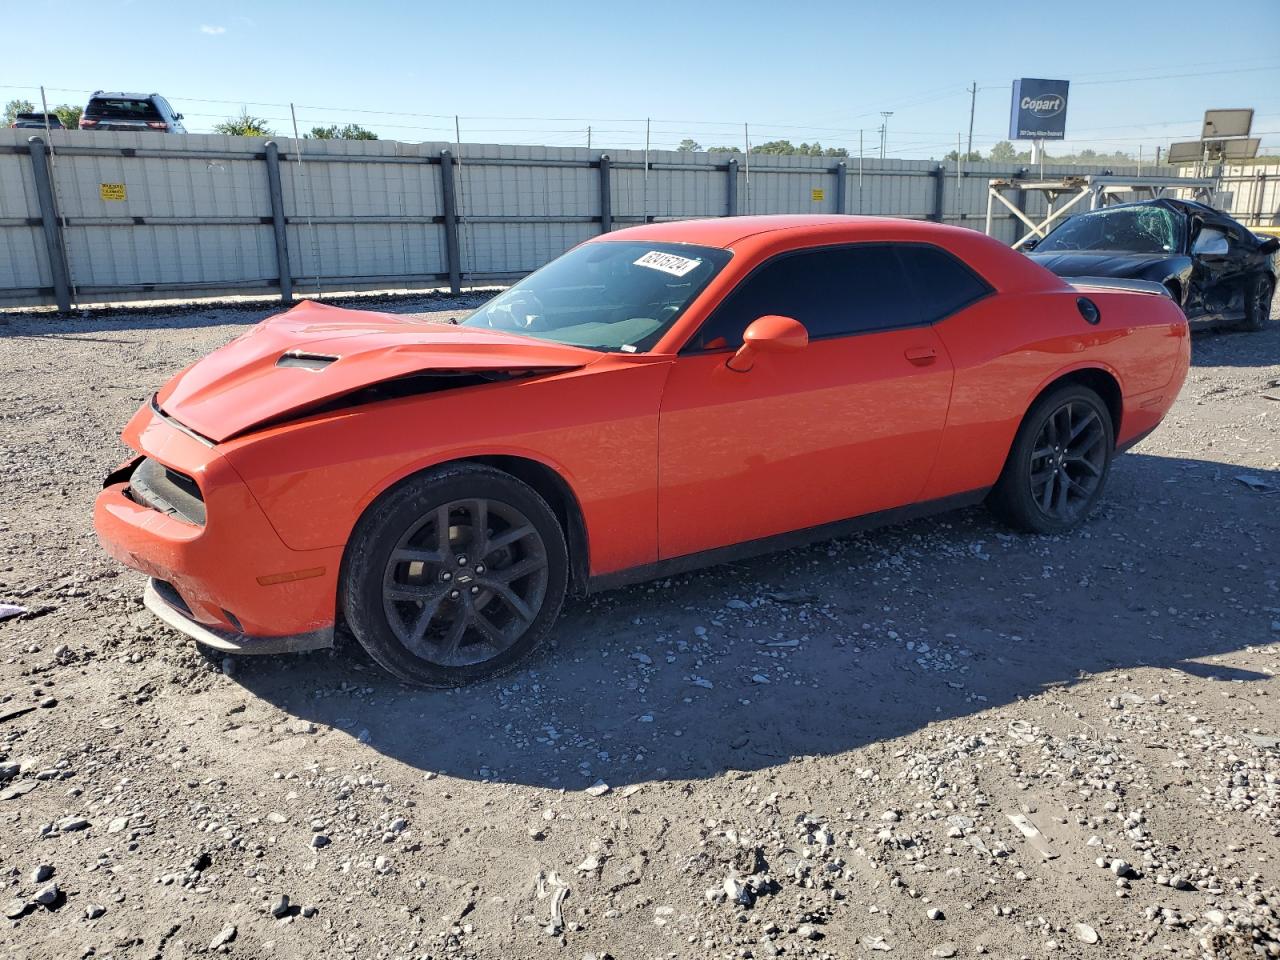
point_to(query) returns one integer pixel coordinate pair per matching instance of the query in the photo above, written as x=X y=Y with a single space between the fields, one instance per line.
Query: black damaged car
x=1210 y=264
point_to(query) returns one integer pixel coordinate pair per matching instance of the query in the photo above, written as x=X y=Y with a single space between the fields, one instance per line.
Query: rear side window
x=943 y=285
x=833 y=291
x=119 y=108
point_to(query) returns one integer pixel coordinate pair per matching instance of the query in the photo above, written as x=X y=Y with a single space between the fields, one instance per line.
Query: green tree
x=352 y=131
x=969 y=157
x=15 y=107
x=776 y=148
x=724 y=149
x=688 y=145
x=1003 y=152
x=69 y=115
x=244 y=126
x=789 y=149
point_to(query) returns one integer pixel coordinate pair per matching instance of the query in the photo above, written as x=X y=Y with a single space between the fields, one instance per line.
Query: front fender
x=597 y=431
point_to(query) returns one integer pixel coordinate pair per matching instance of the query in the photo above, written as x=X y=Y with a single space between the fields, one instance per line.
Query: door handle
x=921 y=356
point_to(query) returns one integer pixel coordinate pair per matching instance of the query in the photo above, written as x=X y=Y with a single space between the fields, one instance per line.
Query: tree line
x=775 y=147
x=1006 y=152
x=65 y=112
x=245 y=125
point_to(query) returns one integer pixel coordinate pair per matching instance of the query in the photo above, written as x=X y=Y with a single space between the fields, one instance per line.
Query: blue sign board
x=1039 y=109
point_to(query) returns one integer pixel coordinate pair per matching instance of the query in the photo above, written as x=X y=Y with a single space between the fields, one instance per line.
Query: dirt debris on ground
x=936 y=740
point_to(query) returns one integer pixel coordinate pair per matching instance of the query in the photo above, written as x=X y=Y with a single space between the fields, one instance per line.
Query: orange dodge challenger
x=656 y=399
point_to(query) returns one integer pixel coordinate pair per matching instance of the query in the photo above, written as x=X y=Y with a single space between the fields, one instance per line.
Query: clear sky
x=796 y=70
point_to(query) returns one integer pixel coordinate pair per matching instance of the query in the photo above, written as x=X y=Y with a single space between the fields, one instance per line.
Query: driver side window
x=833 y=291
x=1211 y=241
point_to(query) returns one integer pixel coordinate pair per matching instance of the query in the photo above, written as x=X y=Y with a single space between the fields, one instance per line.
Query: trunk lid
x=314 y=354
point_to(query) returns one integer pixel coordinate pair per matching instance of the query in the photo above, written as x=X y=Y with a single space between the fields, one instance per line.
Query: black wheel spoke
x=1080 y=427
x=1072 y=482
x=1046 y=497
x=1085 y=462
x=509 y=537
x=415 y=592
x=452 y=640
x=479 y=516
x=512 y=599
x=1064 y=491
x=428 y=613
x=522 y=569
x=490 y=631
x=415 y=555
x=442 y=529
x=1083 y=449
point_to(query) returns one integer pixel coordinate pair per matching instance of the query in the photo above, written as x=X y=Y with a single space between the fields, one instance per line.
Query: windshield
x=615 y=295
x=1129 y=229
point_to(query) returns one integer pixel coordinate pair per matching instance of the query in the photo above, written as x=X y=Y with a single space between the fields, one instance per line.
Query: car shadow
x=835 y=646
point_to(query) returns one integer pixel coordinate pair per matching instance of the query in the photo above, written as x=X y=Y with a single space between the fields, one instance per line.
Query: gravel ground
x=939 y=739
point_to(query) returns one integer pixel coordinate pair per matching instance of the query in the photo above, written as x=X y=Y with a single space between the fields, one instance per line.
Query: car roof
x=118 y=95
x=726 y=231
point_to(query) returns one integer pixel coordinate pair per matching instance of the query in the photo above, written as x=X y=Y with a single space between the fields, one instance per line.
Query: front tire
x=1058 y=466
x=454 y=576
x=1257 y=303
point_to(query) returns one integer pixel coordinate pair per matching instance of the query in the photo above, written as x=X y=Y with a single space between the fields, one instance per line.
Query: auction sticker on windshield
x=667 y=263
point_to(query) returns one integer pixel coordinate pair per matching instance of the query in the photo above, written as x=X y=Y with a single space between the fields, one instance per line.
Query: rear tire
x=1058 y=465
x=454 y=576
x=1257 y=303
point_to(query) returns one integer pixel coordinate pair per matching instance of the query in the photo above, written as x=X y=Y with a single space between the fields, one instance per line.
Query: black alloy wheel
x=1068 y=460
x=1058 y=465
x=455 y=575
x=465 y=582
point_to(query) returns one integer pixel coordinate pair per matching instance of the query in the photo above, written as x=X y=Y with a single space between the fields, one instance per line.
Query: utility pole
x=973 y=102
x=884 y=131
x=859 y=171
x=588 y=137
x=646 y=169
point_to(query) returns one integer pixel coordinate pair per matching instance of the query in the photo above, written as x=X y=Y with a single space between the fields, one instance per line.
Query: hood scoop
x=305 y=361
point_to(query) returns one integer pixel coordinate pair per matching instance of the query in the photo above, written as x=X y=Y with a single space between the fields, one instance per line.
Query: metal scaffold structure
x=1099 y=189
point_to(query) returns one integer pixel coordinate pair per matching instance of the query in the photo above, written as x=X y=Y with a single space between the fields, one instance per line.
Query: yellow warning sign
x=112 y=191
x=818 y=194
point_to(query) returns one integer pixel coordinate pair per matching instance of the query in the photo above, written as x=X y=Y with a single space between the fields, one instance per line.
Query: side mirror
x=768 y=334
x=1210 y=243
x=1030 y=244
x=1270 y=245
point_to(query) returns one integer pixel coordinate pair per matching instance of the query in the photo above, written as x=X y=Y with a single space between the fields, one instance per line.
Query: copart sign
x=1039 y=109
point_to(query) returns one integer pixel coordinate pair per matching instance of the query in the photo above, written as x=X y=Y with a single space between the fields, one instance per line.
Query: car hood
x=1101 y=264
x=314 y=354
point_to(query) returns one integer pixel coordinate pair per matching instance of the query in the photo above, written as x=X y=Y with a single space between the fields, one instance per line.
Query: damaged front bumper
x=227 y=579
x=167 y=604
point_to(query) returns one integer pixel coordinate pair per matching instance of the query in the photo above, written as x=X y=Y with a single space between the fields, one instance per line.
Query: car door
x=1219 y=271
x=846 y=426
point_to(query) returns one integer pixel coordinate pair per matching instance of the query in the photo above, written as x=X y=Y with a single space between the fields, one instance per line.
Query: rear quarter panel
x=1010 y=348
